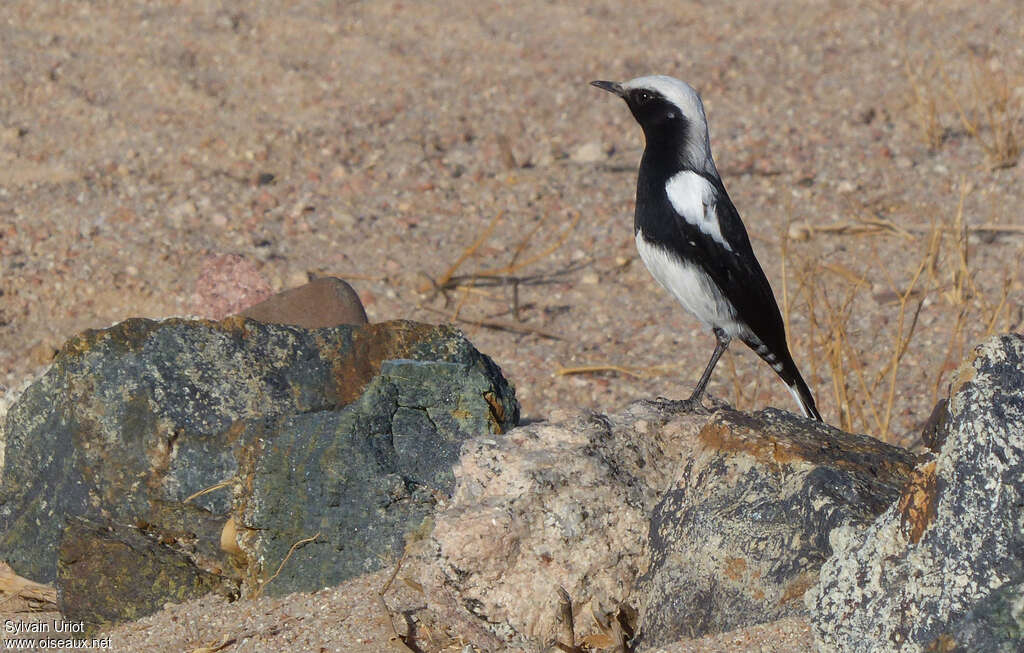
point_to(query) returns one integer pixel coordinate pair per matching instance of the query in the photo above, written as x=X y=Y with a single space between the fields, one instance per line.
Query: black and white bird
x=690 y=236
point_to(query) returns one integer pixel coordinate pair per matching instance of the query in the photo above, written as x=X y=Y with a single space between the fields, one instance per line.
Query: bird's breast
x=690 y=285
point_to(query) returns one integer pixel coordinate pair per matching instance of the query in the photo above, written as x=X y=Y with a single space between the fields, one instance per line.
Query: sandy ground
x=377 y=142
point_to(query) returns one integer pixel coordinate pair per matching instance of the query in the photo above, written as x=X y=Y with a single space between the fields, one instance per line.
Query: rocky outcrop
x=243 y=458
x=741 y=533
x=929 y=572
x=237 y=435
x=736 y=540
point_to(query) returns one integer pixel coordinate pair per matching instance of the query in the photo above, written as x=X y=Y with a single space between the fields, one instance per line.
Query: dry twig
x=296 y=545
x=499 y=325
x=397 y=639
x=207 y=490
x=638 y=372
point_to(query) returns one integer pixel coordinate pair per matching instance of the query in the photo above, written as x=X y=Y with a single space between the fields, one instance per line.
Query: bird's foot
x=690 y=405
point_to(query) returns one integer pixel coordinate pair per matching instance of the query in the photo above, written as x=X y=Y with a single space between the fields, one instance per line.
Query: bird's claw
x=681 y=405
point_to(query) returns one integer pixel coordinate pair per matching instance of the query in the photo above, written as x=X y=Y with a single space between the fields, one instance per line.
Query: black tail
x=786 y=369
x=802 y=394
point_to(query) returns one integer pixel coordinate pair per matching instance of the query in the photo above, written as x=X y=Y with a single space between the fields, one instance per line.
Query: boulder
x=180 y=429
x=929 y=571
x=553 y=505
x=743 y=529
x=582 y=505
x=359 y=480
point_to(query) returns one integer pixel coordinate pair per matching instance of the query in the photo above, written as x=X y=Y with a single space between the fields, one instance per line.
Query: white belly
x=691 y=287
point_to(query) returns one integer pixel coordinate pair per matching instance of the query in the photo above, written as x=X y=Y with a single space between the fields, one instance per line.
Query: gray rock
x=116 y=572
x=995 y=624
x=742 y=531
x=736 y=541
x=954 y=537
x=133 y=420
x=364 y=478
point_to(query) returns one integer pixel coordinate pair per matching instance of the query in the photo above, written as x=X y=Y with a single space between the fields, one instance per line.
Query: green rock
x=113 y=573
x=350 y=431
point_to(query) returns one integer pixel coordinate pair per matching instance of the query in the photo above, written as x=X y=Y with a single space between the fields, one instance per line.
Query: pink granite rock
x=226 y=284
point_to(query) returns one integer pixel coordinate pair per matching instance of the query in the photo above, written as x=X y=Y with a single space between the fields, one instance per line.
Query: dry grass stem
x=801 y=231
x=924 y=102
x=458 y=306
x=637 y=372
x=296 y=545
x=990 y=115
x=862 y=227
x=207 y=490
x=990 y=329
x=515 y=266
x=464 y=256
x=397 y=641
x=865 y=386
x=900 y=345
x=507 y=271
x=508 y=275
x=498 y=325
x=998 y=114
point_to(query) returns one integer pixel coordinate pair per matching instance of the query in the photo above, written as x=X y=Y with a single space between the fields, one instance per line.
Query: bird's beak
x=611 y=87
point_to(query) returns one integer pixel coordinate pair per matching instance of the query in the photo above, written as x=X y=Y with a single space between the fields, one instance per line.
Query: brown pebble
x=323 y=302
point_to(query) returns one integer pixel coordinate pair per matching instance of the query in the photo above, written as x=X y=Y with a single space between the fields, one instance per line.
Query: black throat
x=665 y=155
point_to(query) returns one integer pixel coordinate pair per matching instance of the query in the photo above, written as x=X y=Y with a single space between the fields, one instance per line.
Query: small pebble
x=799 y=231
x=591 y=152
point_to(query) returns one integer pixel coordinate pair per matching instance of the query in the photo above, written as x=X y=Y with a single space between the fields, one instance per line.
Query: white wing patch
x=692 y=287
x=693 y=197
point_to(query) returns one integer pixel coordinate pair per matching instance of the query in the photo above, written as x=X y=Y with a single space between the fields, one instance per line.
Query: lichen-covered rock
x=954 y=537
x=131 y=423
x=115 y=572
x=361 y=478
x=554 y=505
x=995 y=625
x=740 y=534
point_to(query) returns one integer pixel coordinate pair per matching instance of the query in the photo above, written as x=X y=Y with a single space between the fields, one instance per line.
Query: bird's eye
x=643 y=97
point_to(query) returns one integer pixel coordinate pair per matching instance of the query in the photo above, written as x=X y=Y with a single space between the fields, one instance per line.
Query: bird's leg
x=721 y=345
